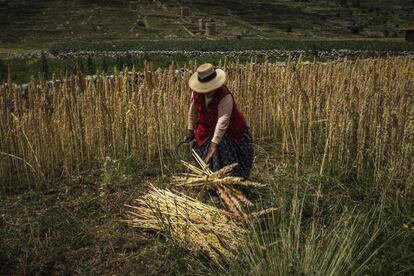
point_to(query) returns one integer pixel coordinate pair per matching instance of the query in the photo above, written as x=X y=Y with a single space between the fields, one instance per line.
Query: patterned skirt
x=229 y=152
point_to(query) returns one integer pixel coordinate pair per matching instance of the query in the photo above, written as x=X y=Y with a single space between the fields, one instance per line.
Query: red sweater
x=207 y=117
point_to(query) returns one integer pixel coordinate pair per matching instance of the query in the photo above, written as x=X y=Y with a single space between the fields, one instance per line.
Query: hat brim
x=205 y=87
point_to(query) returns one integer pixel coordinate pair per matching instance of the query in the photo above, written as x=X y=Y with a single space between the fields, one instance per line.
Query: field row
x=234 y=45
x=352 y=118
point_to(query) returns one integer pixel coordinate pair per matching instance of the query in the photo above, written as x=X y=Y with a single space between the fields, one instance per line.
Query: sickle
x=178 y=147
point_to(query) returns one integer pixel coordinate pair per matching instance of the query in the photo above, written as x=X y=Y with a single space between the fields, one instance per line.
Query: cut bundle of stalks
x=220 y=181
x=190 y=223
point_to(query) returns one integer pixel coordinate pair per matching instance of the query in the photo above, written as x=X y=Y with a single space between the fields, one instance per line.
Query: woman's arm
x=192 y=115
x=225 y=108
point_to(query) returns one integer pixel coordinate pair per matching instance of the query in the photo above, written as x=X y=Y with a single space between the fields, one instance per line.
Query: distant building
x=201 y=25
x=409 y=34
x=133 y=5
x=184 y=11
x=207 y=26
x=210 y=28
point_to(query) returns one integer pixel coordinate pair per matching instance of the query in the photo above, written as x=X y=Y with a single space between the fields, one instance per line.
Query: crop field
x=333 y=141
x=59 y=59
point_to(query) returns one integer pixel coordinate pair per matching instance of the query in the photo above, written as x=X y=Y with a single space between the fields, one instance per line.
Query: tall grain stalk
x=347 y=117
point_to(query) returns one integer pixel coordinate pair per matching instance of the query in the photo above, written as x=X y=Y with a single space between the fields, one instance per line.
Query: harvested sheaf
x=220 y=181
x=190 y=223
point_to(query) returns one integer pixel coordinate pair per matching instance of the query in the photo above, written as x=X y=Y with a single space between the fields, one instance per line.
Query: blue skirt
x=229 y=152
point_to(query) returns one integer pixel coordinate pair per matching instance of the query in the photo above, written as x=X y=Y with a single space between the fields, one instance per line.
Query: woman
x=219 y=128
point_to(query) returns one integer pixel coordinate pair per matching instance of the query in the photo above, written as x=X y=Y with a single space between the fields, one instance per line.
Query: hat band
x=208 y=78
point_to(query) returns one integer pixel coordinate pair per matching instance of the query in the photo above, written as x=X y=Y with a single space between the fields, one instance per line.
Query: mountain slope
x=56 y=20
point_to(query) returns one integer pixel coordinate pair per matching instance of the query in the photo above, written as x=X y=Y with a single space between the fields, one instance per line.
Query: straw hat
x=207 y=78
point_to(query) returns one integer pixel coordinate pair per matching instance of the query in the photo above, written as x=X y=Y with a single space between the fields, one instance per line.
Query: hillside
x=81 y=20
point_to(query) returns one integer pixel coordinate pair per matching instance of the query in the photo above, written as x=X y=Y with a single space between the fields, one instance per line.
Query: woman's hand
x=190 y=135
x=211 y=152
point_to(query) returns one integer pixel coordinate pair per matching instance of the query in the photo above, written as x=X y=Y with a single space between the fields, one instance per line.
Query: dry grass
x=349 y=117
x=188 y=222
x=345 y=118
x=221 y=181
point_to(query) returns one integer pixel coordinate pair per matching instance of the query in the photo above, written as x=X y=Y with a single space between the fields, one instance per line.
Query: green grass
x=22 y=47
x=73 y=228
x=323 y=225
x=235 y=45
x=23 y=68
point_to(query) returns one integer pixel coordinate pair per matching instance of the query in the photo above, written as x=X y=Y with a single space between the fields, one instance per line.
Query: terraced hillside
x=56 y=20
